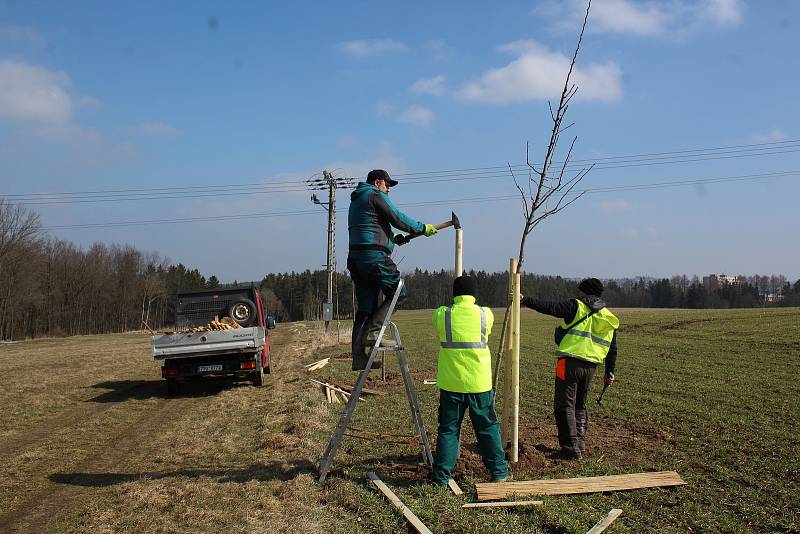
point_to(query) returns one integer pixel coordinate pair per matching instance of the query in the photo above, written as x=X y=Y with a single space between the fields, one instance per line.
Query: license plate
x=209 y=368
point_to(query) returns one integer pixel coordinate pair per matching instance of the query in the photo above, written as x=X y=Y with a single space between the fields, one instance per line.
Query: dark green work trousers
x=452 y=407
x=573 y=378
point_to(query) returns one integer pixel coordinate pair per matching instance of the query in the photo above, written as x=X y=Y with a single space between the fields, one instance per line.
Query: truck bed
x=188 y=344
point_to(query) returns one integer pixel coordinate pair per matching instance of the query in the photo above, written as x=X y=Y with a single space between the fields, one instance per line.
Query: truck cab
x=197 y=351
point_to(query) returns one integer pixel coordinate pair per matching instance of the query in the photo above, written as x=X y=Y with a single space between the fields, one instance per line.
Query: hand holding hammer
x=608 y=379
x=401 y=239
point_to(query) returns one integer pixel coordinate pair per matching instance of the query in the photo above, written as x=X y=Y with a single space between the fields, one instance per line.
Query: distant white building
x=716 y=281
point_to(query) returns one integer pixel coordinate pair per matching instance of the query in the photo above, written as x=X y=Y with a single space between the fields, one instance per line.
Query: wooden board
x=604 y=523
x=395 y=500
x=565 y=486
x=501 y=504
x=454 y=487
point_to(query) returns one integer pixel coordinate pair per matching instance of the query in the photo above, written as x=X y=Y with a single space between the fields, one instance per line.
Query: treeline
x=51 y=287
x=299 y=296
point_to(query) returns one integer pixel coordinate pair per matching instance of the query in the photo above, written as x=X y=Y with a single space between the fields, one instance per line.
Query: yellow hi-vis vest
x=465 y=363
x=590 y=339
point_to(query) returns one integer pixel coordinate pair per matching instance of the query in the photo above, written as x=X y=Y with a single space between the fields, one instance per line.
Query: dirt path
x=132 y=459
x=36 y=512
x=71 y=417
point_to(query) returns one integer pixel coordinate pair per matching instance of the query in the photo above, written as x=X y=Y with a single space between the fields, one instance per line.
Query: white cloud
x=723 y=12
x=29 y=92
x=538 y=74
x=625 y=16
x=383 y=158
x=417 y=115
x=154 y=129
x=372 y=47
x=644 y=18
x=615 y=205
x=432 y=86
x=775 y=136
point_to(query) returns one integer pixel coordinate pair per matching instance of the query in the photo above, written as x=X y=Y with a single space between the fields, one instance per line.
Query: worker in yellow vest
x=465 y=383
x=587 y=337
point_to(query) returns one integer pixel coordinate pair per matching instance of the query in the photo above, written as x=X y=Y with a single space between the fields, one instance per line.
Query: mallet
x=454 y=222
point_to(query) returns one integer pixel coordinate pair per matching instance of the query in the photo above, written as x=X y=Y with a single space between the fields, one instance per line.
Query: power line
x=475 y=173
x=468 y=200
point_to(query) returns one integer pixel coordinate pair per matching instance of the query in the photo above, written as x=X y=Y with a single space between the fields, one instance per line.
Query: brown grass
x=91 y=443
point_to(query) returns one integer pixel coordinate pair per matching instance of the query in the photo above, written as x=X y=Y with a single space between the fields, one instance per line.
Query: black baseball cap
x=380 y=174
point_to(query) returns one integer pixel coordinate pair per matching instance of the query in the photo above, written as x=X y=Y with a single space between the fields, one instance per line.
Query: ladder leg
x=416 y=415
x=344 y=420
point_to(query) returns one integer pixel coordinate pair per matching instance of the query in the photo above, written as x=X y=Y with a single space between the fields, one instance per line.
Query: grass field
x=89 y=441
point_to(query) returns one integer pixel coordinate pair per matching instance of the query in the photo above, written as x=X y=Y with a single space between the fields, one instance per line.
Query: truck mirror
x=270 y=322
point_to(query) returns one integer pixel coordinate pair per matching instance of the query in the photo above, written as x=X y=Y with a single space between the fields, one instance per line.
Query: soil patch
x=626 y=443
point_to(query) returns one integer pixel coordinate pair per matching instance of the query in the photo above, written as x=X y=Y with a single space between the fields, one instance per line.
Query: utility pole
x=331 y=183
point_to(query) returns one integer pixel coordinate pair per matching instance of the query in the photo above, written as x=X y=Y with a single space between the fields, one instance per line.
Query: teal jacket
x=371 y=218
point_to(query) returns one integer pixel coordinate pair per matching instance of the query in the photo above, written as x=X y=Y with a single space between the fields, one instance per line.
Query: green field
x=710 y=394
x=91 y=443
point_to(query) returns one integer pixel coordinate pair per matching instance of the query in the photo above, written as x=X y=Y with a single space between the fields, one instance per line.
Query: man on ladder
x=369 y=223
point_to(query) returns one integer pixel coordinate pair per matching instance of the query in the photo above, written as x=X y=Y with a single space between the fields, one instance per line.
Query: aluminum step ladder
x=325 y=462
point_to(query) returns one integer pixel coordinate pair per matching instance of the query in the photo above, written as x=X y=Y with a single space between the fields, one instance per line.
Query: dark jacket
x=567 y=310
x=371 y=217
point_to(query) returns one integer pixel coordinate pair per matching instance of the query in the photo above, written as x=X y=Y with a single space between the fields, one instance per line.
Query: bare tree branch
x=548 y=186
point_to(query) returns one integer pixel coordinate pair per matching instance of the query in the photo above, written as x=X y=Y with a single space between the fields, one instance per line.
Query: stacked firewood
x=225 y=324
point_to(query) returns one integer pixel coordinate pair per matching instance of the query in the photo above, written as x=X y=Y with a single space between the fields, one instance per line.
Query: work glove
x=608 y=378
x=400 y=239
x=430 y=230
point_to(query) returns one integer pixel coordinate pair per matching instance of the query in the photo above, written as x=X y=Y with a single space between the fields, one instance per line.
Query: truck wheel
x=243 y=312
x=173 y=387
x=258 y=378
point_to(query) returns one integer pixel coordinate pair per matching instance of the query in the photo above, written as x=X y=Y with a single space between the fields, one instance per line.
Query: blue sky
x=100 y=96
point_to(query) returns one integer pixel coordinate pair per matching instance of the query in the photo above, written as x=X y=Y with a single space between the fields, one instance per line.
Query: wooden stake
x=459 y=269
x=515 y=372
x=395 y=500
x=566 y=486
x=505 y=417
x=502 y=504
x=605 y=522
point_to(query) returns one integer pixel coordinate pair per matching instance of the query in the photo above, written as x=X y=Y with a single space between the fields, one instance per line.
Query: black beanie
x=463 y=285
x=591 y=286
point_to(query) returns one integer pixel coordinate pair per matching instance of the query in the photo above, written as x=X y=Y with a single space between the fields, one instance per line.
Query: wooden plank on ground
x=503 y=490
x=395 y=500
x=365 y=391
x=344 y=393
x=603 y=524
x=454 y=487
x=501 y=504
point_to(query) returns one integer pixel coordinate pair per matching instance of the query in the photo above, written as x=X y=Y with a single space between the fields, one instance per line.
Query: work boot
x=508 y=478
x=567 y=454
x=372 y=335
x=360 y=352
